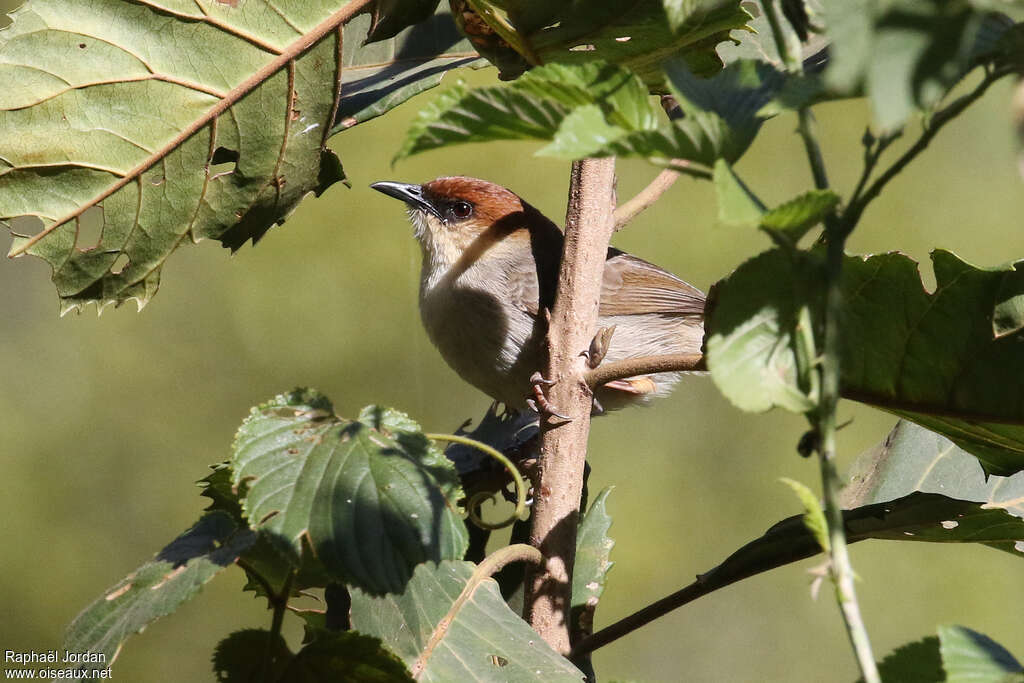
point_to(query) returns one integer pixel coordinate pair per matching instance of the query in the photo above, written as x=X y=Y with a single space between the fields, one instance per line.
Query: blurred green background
x=107 y=422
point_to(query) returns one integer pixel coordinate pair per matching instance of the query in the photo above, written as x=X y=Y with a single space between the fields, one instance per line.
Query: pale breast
x=493 y=347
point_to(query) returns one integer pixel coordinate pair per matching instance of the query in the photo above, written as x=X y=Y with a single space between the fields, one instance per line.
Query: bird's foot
x=538 y=402
x=598 y=346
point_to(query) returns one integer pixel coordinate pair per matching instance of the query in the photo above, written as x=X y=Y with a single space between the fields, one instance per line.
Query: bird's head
x=457 y=217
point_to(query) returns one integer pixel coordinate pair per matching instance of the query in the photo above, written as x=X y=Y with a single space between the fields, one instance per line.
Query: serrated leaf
x=135 y=122
x=970 y=657
x=158 y=587
x=598 y=109
x=928 y=357
x=912 y=459
x=639 y=36
x=242 y=656
x=593 y=552
x=345 y=656
x=814 y=515
x=373 y=503
x=789 y=222
x=482 y=641
x=917 y=662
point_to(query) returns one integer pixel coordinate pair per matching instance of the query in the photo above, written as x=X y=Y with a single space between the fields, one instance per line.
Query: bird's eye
x=462 y=209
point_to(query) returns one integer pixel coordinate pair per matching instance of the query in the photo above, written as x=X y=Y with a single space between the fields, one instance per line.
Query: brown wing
x=632 y=286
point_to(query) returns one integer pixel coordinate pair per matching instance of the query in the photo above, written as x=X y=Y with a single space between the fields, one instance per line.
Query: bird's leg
x=598 y=346
x=539 y=403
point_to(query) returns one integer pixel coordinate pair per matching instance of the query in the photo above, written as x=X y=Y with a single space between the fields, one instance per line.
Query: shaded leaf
x=916 y=517
x=914 y=663
x=639 y=36
x=136 y=121
x=242 y=656
x=380 y=76
x=158 y=587
x=929 y=357
x=969 y=656
x=482 y=641
x=905 y=54
x=372 y=503
x=388 y=17
x=345 y=656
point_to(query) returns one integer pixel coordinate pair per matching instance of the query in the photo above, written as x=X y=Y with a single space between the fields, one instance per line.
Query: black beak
x=407 y=192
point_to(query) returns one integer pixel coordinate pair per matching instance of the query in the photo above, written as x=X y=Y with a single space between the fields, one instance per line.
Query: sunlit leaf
x=158 y=587
x=970 y=657
x=441 y=639
x=180 y=123
x=929 y=357
x=372 y=502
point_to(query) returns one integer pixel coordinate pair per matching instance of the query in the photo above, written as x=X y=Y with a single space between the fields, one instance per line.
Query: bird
x=489 y=273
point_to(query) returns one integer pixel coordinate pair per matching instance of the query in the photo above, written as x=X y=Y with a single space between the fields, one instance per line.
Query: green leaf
x=912 y=459
x=345 y=656
x=814 y=515
x=382 y=75
x=970 y=657
x=391 y=16
x=914 y=663
x=158 y=587
x=175 y=125
x=737 y=205
x=640 y=36
x=372 y=503
x=593 y=550
x=789 y=222
x=755 y=327
x=241 y=657
x=929 y=357
x=481 y=641
x=917 y=517
x=598 y=109
x=908 y=54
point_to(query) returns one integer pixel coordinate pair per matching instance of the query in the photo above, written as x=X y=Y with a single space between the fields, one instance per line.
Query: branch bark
x=558 y=484
x=627 y=211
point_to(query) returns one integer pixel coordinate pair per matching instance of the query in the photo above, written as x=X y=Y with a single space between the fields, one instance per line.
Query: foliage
x=192 y=121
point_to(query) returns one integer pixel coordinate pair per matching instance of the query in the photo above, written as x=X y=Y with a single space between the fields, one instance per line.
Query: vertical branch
x=559 y=483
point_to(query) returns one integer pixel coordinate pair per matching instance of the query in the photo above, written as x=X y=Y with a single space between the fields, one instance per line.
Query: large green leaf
x=636 y=34
x=442 y=638
x=373 y=498
x=911 y=458
x=599 y=109
x=158 y=587
x=933 y=358
x=970 y=657
x=179 y=122
x=168 y=124
x=907 y=54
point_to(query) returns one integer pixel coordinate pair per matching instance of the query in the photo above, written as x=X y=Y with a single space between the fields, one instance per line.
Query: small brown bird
x=490 y=268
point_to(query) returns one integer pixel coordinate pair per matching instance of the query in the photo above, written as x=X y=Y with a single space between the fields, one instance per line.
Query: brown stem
x=573 y=321
x=645 y=365
x=626 y=212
